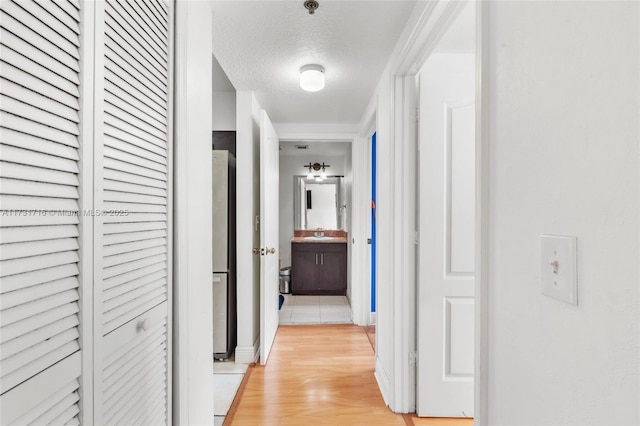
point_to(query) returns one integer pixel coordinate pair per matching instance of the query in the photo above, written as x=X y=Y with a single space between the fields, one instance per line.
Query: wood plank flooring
x=317 y=375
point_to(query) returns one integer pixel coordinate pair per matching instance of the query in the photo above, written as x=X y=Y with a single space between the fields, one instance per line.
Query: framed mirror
x=317 y=204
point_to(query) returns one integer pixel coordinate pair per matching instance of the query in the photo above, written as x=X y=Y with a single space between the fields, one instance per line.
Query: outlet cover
x=558 y=268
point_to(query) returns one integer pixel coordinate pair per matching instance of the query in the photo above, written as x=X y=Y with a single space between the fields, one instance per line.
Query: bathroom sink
x=318 y=238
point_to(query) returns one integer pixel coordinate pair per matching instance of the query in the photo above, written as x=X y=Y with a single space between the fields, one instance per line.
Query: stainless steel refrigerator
x=224 y=254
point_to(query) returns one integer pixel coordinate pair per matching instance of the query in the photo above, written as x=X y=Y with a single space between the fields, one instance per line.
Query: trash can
x=285 y=280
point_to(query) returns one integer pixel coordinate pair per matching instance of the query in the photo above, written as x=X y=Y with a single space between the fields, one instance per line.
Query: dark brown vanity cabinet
x=319 y=268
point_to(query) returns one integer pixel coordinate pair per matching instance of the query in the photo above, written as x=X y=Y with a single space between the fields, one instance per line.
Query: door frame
x=434 y=20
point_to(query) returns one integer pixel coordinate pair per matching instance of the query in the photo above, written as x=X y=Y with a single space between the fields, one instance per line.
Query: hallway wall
x=248 y=112
x=563 y=145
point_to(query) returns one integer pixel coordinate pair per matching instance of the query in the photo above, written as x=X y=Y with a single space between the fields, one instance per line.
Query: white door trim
x=481 y=390
x=192 y=290
x=435 y=19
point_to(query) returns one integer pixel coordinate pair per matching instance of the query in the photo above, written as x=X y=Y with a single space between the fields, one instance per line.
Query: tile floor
x=227 y=376
x=315 y=310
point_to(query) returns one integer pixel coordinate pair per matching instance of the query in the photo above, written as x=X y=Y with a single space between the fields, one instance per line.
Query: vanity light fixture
x=316 y=167
x=312 y=78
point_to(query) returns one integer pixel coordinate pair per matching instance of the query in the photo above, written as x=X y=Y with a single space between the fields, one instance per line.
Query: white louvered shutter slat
x=119 y=19
x=111 y=250
x=42 y=96
x=18 y=329
x=40 y=63
x=122 y=141
x=28 y=340
x=55 y=23
x=37 y=174
x=134 y=10
x=21 y=404
x=135 y=191
x=116 y=64
x=29 y=157
x=38 y=412
x=33 y=293
x=66 y=92
x=71 y=7
x=48 y=41
x=133 y=285
x=126 y=237
x=29 y=206
x=10 y=121
x=65 y=18
x=35 y=144
x=129 y=277
x=122 y=176
x=40 y=362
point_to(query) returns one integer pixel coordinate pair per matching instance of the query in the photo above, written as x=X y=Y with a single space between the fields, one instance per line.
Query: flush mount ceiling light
x=312 y=78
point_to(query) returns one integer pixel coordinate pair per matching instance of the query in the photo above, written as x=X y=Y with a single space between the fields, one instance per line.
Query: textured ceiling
x=261 y=46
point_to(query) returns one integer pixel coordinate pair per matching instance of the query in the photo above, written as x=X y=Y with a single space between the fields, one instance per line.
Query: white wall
x=224 y=110
x=193 y=366
x=290 y=166
x=248 y=236
x=563 y=144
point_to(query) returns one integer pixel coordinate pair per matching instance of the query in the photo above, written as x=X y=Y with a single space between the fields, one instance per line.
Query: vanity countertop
x=330 y=236
x=320 y=240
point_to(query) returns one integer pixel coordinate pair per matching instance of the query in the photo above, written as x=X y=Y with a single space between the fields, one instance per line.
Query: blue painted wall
x=373 y=223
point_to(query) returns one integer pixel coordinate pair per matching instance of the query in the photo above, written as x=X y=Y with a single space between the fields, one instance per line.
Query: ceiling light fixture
x=312 y=78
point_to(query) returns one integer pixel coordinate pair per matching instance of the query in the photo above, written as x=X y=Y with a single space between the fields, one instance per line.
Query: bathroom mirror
x=317 y=204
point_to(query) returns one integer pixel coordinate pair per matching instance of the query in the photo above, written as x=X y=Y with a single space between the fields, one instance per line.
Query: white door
x=269 y=236
x=40 y=295
x=133 y=190
x=446 y=251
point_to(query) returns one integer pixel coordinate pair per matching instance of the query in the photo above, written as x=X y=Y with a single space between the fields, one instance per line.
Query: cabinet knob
x=144 y=325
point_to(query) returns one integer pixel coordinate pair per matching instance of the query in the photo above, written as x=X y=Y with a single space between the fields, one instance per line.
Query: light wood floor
x=318 y=375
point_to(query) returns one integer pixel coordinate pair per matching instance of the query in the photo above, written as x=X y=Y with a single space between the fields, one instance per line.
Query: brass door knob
x=271 y=250
x=256 y=251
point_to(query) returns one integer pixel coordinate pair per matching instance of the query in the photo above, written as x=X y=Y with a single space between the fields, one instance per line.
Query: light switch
x=558 y=264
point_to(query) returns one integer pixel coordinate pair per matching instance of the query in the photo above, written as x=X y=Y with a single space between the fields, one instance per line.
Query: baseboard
x=383 y=381
x=372 y=318
x=248 y=354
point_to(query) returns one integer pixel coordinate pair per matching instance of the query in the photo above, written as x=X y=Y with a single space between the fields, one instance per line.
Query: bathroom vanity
x=319 y=265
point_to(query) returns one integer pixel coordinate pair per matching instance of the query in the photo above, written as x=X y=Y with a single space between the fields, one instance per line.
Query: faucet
x=318 y=233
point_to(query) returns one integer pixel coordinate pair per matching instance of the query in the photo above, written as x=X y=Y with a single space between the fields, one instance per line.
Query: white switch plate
x=558 y=264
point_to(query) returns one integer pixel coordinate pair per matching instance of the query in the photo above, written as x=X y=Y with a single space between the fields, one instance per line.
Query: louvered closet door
x=135 y=229
x=39 y=127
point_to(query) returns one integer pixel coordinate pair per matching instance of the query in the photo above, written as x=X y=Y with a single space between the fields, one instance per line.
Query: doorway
x=315 y=221
x=446 y=218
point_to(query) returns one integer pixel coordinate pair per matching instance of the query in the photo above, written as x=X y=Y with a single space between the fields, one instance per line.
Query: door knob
x=271 y=250
x=256 y=251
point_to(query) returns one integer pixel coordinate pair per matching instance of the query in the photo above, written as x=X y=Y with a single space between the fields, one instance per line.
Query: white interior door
x=269 y=235
x=447 y=228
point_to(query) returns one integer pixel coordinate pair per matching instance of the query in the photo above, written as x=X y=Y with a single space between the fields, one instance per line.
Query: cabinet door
x=305 y=272
x=334 y=272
